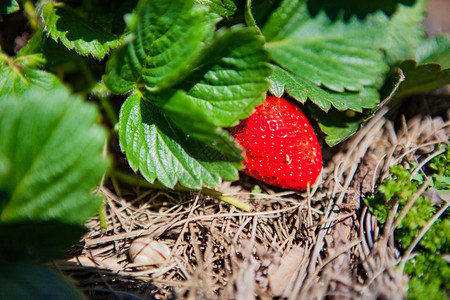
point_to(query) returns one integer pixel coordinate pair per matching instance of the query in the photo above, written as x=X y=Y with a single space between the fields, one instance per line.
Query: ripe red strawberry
x=280 y=146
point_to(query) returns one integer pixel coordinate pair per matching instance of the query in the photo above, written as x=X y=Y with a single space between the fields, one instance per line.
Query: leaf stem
x=30 y=13
x=236 y=203
x=97 y=91
x=104 y=102
x=249 y=19
x=101 y=214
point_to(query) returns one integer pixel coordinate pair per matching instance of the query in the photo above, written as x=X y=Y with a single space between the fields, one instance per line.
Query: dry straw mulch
x=297 y=245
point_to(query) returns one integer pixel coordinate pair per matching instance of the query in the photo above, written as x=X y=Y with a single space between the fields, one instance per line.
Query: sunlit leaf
x=160 y=150
x=64 y=25
x=337 y=55
x=20 y=74
x=301 y=89
x=167 y=38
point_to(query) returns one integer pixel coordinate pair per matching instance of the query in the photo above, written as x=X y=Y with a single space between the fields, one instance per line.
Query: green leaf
x=340 y=125
x=8 y=7
x=226 y=87
x=5 y=167
x=224 y=8
x=261 y=10
x=22 y=280
x=421 y=78
x=53 y=175
x=194 y=122
x=18 y=75
x=167 y=39
x=435 y=50
x=248 y=15
x=63 y=24
x=105 y=12
x=301 y=89
x=339 y=56
x=232 y=77
x=52 y=52
x=405 y=32
x=337 y=125
x=156 y=147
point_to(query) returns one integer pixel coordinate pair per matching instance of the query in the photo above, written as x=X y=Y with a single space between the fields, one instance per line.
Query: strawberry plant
x=187 y=70
x=171 y=78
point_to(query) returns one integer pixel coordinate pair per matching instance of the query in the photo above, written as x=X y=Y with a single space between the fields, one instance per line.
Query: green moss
x=429 y=272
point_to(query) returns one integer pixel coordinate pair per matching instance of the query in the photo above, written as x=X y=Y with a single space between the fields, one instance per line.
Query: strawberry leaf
x=167 y=40
x=159 y=149
x=231 y=79
x=53 y=176
x=197 y=123
x=224 y=8
x=339 y=56
x=52 y=52
x=340 y=125
x=435 y=50
x=405 y=32
x=8 y=7
x=74 y=32
x=420 y=78
x=226 y=87
x=337 y=125
x=301 y=89
x=261 y=9
x=19 y=74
